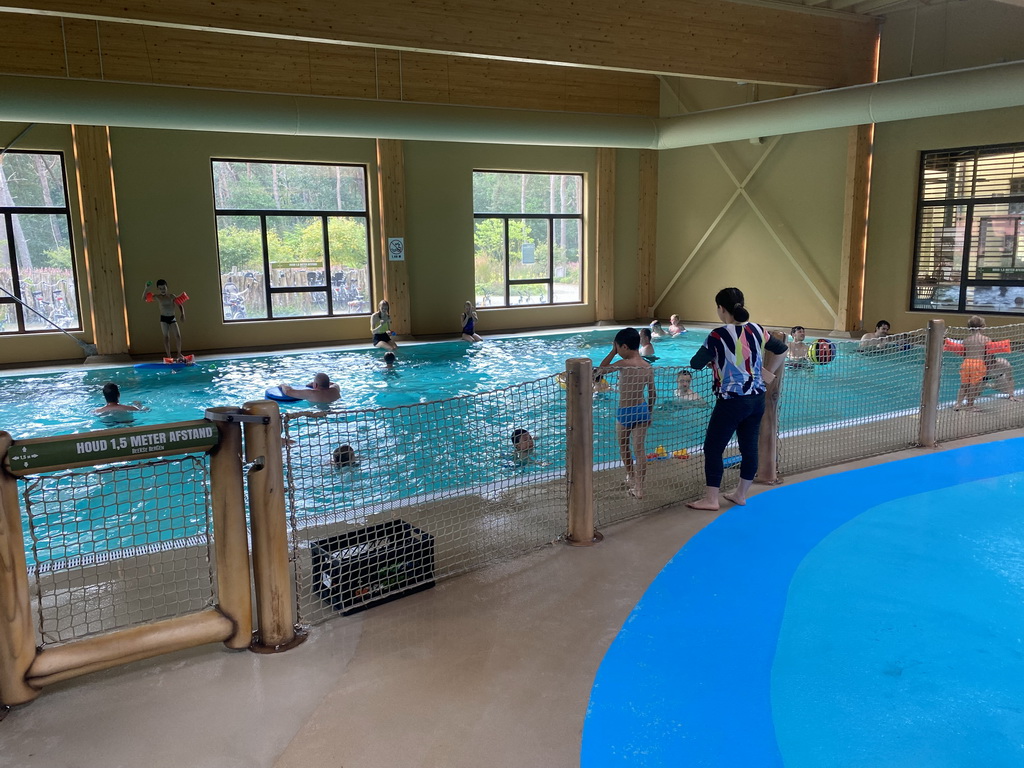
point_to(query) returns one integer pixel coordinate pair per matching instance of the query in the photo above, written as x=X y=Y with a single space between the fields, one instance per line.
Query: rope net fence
x=118 y=546
x=982 y=372
x=388 y=500
x=856 y=401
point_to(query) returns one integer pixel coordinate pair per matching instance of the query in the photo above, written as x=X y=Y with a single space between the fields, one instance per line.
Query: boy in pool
x=981 y=368
x=684 y=390
x=522 y=444
x=646 y=343
x=797 y=354
x=675 y=327
x=344 y=456
x=114 y=410
x=656 y=330
x=168 y=303
x=320 y=390
x=389 y=364
x=634 y=413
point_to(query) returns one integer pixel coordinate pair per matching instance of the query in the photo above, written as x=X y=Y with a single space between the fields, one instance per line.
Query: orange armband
x=998 y=347
x=181 y=298
x=149 y=296
x=949 y=345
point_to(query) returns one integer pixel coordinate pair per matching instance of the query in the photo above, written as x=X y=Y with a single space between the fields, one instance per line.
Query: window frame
x=550 y=218
x=973 y=225
x=7 y=213
x=324 y=215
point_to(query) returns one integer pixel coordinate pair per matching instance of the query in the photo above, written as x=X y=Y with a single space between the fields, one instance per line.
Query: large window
x=293 y=239
x=38 y=290
x=970 y=231
x=528 y=238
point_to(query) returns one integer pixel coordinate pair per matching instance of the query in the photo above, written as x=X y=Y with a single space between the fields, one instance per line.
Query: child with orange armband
x=169 y=305
x=980 y=367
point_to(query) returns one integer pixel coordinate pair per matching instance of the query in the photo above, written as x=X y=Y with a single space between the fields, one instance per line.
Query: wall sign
x=396 y=249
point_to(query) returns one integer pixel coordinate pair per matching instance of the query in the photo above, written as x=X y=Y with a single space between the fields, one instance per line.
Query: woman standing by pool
x=734 y=352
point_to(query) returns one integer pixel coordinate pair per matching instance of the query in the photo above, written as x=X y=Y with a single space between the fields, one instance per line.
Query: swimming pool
x=867 y=618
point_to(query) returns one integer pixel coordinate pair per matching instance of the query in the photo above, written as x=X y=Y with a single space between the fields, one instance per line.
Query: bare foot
x=629 y=481
x=1013 y=399
x=735 y=498
x=636 y=493
x=703 y=504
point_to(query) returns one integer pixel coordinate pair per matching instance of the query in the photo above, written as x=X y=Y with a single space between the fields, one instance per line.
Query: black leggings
x=739 y=415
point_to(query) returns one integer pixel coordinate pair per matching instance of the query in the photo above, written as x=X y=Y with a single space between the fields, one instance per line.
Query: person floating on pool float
x=344 y=456
x=647 y=345
x=981 y=366
x=320 y=390
x=115 y=410
x=469 y=321
x=675 y=326
x=522 y=444
x=684 y=389
x=734 y=352
x=380 y=327
x=169 y=304
x=797 y=357
x=633 y=416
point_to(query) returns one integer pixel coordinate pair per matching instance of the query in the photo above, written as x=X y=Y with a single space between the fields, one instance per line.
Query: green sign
x=42 y=454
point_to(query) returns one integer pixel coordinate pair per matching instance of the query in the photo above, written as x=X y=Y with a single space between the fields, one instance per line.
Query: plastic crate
x=372 y=565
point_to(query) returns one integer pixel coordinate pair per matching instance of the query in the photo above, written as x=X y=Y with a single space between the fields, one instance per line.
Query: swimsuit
x=972 y=371
x=468 y=327
x=384 y=327
x=633 y=415
x=378 y=337
x=167 y=319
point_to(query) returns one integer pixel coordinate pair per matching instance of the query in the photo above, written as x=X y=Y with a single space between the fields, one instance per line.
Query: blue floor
x=873 y=618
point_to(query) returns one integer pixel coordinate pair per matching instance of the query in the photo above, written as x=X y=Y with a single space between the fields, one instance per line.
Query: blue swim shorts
x=633 y=415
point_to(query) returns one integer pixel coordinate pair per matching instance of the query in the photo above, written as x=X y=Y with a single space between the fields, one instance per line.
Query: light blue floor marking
x=689 y=681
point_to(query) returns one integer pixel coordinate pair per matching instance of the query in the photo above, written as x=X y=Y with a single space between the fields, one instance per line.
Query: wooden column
x=579 y=451
x=928 y=422
x=102 y=247
x=855 y=223
x=17 y=638
x=646 y=240
x=768 y=439
x=604 y=247
x=391 y=185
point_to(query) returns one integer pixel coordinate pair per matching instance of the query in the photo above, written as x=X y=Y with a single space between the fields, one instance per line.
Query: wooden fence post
x=928 y=423
x=579 y=449
x=768 y=440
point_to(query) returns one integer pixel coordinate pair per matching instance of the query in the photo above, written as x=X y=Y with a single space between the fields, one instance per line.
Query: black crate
x=372 y=565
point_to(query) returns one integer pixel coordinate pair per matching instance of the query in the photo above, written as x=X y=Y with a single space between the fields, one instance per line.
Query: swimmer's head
x=321 y=381
x=976 y=322
x=161 y=285
x=684 y=377
x=799 y=332
x=882 y=325
x=343 y=456
x=111 y=393
x=522 y=440
x=655 y=324
x=628 y=338
x=389 y=359
x=645 y=335
x=674 y=319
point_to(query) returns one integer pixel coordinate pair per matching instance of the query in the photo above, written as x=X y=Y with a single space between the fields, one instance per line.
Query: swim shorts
x=167 y=319
x=633 y=415
x=972 y=371
x=378 y=337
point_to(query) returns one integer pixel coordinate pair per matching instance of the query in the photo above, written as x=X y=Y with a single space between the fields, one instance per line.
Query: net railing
x=863 y=402
x=387 y=500
x=118 y=546
x=979 y=396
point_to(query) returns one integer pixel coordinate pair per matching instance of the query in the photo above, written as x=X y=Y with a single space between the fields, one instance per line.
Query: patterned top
x=735 y=353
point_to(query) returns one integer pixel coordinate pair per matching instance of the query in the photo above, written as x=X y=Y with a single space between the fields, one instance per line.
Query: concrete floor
x=493 y=668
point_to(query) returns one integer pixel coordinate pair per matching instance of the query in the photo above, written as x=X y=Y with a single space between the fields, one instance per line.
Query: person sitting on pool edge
x=344 y=456
x=380 y=327
x=522 y=443
x=114 y=410
x=320 y=390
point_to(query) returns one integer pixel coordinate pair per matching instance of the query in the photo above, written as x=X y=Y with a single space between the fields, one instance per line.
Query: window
x=528 y=238
x=38 y=289
x=970 y=231
x=293 y=239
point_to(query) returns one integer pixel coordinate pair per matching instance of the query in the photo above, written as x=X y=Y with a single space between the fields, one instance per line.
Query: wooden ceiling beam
x=696 y=38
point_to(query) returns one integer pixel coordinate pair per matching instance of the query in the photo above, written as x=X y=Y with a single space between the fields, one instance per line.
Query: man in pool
x=344 y=456
x=320 y=390
x=522 y=444
x=877 y=340
x=634 y=413
x=169 y=304
x=797 y=354
x=114 y=408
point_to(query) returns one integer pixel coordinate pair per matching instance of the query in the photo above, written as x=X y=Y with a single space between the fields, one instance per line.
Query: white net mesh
x=118 y=546
x=439 y=481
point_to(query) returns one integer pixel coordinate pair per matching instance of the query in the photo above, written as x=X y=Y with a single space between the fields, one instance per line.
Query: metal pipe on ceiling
x=64 y=101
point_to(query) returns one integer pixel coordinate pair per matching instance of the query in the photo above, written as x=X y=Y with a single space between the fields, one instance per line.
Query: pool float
x=821 y=352
x=276 y=393
x=168 y=364
x=661 y=453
